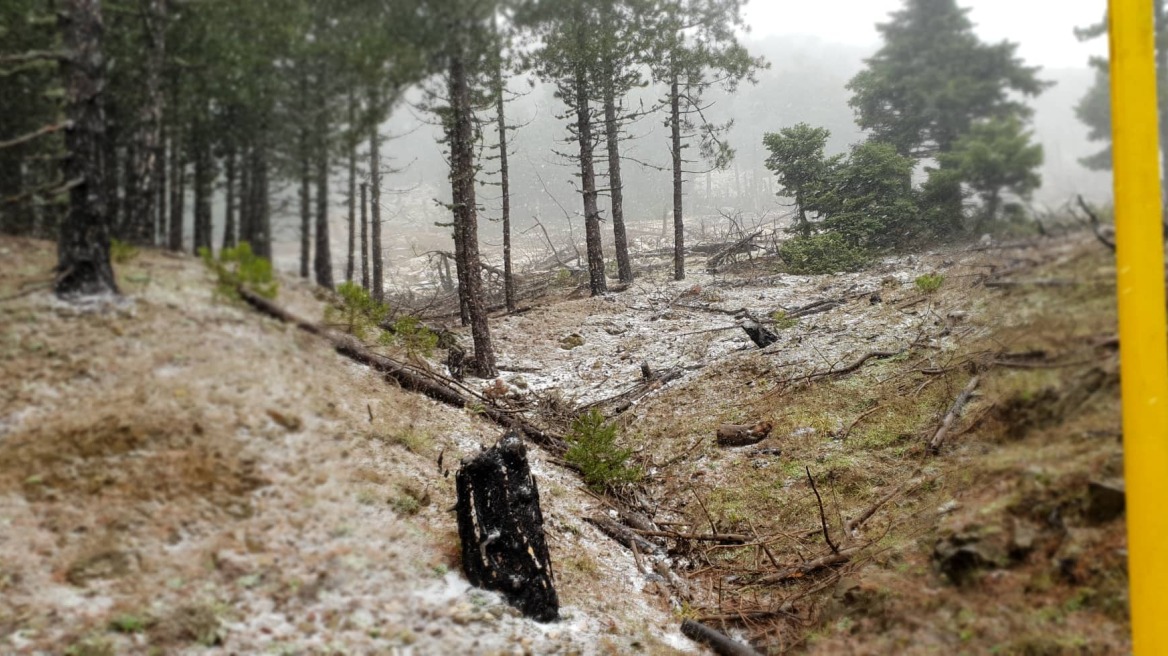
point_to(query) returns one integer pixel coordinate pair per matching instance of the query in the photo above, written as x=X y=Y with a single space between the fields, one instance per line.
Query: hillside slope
x=181 y=475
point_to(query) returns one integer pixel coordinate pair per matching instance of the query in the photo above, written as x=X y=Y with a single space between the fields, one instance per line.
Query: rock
x=1022 y=539
x=1106 y=500
x=571 y=341
x=518 y=381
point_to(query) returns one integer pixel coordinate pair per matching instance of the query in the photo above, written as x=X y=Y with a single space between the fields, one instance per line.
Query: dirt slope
x=1009 y=540
x=180 y=475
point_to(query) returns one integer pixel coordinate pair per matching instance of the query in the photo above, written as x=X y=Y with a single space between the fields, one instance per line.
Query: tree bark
x=675 y=149
x=596 y=280
x=616 y=185
x=245 y=193
x=462 y=182
x=148 y=150
x=229 y=228
x=505 y=182
x=261 y=228
x=350 y=264
x=322 y=264
x=204 y=178
x=305 y=204
x=177 y=190
x=158 y=212
x=375 y=209
x=364 y=236
x=83 y=264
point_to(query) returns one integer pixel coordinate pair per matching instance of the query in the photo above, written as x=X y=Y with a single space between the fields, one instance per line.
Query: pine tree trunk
x=675 y=149
x=83 y=264
x=245 y=197
x=462 y=181
x=229 y=237
x=322 y=263
x=261 y=242
x=111 y=165
x=612 y=136
x=350 y=264
x=204 y=178
x=375 y=209
x=505 y=182
x=158 y=210
x=305 y=205
x=612 y=139
x=177 y=192
x=592 y=238
x=364 y=237
x=143 y=178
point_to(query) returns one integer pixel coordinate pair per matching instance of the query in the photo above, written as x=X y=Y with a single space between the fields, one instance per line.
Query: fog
x=813 y=50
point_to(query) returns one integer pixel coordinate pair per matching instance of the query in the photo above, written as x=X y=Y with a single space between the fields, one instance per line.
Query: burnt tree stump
x=501 y=529
x=759 y=334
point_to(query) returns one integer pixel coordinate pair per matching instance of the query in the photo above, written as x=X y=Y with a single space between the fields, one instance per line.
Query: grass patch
x=122 y=252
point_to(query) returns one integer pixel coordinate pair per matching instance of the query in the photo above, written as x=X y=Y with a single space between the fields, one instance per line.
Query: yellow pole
x=1143 y=334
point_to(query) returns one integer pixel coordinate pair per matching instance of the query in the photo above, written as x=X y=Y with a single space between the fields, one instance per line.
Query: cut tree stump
x=501 y=529
x=743 y=435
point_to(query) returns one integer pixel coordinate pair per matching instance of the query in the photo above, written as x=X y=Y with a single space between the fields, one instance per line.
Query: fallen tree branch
x=623 y=534
x=879 y=355
x=400 y=372
x=1096 y=227
x=809 y=567
x=822 y=514
x=848 y=431
x=721 y=538
x=951 y=416
x=718 y=642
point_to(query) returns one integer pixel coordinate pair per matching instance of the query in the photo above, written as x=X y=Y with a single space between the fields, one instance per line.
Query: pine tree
x=934 y=78
x=696 y=47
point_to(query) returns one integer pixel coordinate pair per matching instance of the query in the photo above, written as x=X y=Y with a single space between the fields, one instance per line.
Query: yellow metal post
x=1142 y=323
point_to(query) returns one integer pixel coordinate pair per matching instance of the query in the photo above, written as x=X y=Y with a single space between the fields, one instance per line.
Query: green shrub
x=593 y=449
x=121 y=252
x=929 y=282
x=358 y=313
x=823 y=253
x=783 y=321
x=238 y=267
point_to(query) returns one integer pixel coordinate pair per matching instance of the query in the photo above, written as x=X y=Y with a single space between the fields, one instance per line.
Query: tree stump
x=501 y=529
x=759 y=334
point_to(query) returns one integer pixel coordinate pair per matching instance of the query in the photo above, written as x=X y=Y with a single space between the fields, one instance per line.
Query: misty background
x=813 y=50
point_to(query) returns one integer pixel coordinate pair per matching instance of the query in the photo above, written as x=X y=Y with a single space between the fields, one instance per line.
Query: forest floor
x=179 y=474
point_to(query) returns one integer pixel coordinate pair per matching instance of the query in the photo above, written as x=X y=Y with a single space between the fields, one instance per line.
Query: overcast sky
x=1042 y=28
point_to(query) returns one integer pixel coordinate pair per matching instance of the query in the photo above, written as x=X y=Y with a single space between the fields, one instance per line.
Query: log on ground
x=743 y=434
x=717 y=641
